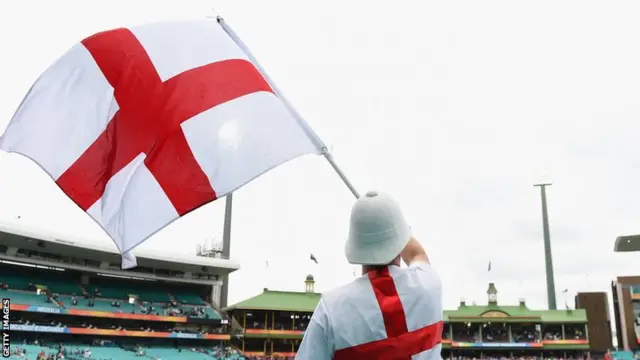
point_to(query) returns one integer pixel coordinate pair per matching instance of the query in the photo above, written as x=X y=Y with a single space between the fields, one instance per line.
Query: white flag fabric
x=141 y=126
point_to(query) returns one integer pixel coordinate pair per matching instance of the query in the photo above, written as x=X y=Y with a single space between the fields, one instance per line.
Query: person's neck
x=368 y=268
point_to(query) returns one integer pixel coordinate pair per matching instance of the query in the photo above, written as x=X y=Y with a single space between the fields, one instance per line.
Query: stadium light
x=627 y=243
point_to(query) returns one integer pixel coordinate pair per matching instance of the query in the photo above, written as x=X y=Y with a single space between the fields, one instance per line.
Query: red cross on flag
x=142 y=126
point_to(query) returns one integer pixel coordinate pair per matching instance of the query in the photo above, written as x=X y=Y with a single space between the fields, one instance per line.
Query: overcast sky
x=456 y=108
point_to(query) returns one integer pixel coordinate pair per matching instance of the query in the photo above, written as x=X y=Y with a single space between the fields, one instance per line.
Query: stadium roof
x=519 y=313
x=16 y=237
x=279 y=300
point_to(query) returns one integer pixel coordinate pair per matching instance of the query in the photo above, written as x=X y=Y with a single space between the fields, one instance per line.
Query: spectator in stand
x=495 y=333
x=388 y=302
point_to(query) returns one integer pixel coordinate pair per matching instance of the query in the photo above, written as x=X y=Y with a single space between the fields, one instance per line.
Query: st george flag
x=141 y=126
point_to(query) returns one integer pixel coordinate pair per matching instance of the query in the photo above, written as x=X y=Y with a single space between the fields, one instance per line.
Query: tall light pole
x=551 y=286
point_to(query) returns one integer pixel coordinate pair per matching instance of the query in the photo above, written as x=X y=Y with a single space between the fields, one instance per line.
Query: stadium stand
x=622 y=355
x=72 y=298
x=78 y=351
x=21 y=297
x=274 y=322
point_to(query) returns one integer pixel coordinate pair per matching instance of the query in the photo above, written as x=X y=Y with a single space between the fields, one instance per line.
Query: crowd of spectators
x=493 y=332
x=521 y=333
x=59 y=351
x=485 y=357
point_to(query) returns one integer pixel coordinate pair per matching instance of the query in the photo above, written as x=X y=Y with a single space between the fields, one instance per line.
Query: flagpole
x=305 y=126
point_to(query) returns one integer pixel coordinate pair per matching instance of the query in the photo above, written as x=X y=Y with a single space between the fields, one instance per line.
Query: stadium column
x=586 y=331
x=226 y=248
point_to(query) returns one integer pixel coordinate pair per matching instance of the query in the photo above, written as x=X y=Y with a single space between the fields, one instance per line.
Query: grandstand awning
x=279 y=301
x=627 y=243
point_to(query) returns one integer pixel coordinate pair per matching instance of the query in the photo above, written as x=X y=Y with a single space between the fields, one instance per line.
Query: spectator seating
x=57 y=285
x=168 y=354
x=32 y=351
x=99 y=304
x=187 y=298
x=145 y=293
x=212 y=313
x=27 y=298
x=622 y=355
x=109 y=290
x=116 y=353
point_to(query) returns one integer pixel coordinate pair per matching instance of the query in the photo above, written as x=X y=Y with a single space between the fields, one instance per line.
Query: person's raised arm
x=414 y=253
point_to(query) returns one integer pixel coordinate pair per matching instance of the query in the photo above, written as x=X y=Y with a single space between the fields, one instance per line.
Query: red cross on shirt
x=400 y=343
x=148 y=120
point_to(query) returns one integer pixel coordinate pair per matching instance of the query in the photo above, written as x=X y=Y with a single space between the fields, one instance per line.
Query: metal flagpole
x=305 y=126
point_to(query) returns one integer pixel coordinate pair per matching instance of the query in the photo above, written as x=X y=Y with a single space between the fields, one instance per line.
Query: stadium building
x=495 y=330
x=596 y=305
x=626 y=309
x=274 y=323
x=67 y=295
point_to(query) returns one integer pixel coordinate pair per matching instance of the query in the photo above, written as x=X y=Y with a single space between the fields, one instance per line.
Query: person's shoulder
x=346 y=291
x=424 y=271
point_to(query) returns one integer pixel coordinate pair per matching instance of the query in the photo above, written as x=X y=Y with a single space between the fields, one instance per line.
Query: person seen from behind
x=389 y=313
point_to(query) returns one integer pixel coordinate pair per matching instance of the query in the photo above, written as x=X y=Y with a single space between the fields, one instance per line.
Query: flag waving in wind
x=141 y=126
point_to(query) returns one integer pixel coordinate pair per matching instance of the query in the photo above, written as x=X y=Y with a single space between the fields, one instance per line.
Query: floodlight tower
x=551 y=286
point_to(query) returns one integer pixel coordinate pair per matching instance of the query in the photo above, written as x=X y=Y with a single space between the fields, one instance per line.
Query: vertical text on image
x=6 y=326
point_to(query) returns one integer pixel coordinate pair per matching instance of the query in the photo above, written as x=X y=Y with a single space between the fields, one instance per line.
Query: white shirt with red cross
x=391 y=313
